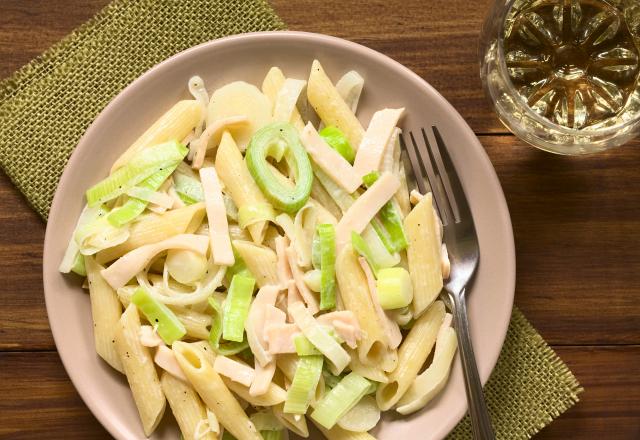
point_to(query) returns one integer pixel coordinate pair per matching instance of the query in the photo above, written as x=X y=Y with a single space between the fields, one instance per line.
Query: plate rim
x=49 y=268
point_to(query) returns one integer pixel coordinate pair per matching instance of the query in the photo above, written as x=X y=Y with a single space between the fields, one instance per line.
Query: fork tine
x=440 y=199
x=415 y=164
x=450 y=179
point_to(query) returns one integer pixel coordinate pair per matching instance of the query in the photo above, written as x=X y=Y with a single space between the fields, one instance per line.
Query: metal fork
x=462 y=244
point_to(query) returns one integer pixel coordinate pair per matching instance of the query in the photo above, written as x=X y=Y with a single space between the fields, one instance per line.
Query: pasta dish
x=256 y=260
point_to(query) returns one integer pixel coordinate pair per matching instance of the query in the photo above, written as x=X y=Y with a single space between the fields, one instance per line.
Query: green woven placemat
x=47 y=105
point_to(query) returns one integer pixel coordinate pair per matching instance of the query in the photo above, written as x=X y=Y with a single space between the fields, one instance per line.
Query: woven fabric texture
x=47 y=105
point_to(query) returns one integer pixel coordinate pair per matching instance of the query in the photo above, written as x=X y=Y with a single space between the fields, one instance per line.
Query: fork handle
x=480 y=420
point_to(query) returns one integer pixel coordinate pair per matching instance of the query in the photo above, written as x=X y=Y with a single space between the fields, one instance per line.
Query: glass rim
x=510 y=88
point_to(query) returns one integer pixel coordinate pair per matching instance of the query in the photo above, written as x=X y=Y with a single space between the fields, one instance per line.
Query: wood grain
x=575 y=221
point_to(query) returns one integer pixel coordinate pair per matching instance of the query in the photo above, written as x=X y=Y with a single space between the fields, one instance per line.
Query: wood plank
x=22 y=311
x=575 y=221
x=437 y=39
x=39 y=400
x=609 y=408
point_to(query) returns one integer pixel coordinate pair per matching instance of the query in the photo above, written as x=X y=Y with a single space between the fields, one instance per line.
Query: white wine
x=575 y=62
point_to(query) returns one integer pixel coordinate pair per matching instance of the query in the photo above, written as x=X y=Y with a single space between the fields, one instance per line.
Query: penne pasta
x=105 y=311
x=301 y=202
x=373 y=348
x=329 y=105
x=238 y=182
x=213 y=391
x=197 y=324
x=271 y=85
x=187 y=407
x=139 y=368
x=261 y=261
x=175 y=124
x=293 y=422
x=154 y=228
x=423 y=254
x=411 y=356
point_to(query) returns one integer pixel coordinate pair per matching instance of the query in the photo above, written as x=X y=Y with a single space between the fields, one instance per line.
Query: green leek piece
x=331 y=380
x=315 y=250
x=254 y=213
x=236 y=307
x=395 y=238
x=337 y=402
x=304 y=347
x=221 y=347
x=327 y=235
x=266 y=421
x=276 y=140
x=169 y=327
x=78 y=265
x=141 y=166
x=303 y=386
x=394 y=288
x=272 y=435
x=313 y=279
x=188 y=188
x=362 y=248
x=238 y=268
x=338 y=141
x=133 y=207
x=228 y=436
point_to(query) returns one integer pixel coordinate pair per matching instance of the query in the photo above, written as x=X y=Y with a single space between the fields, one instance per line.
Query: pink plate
x=248 y=57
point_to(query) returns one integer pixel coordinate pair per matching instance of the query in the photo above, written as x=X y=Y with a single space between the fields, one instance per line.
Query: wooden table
x=576 y=222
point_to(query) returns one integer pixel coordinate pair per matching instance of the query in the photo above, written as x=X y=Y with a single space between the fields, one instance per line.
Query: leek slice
x=268 y=425
x=337 y=402
x=142 y=165
x=236 y=307
x=254 y=213
x=327 y=236
x=363 y=417
x=319 y=337
x=134 y=206
x=394 y=288
x=362 y=248
x=189 y=188
x=221 y=347
x=304 y=347
x=303 y=386
x=276 y=140
x=78 y=266
x=338 y=141
x=395 y=238
x=170 y=329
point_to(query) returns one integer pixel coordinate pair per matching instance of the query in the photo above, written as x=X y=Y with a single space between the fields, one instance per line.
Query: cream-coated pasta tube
x=373 y=348
x=187 y=407
x=293 y=422
x=271 y=85
x=239 y=184
x=214 y=392
x=197 y=324
x=423 y=254
x=175 y=124
x=140 y=370
x=329 y=105
x=261 y=261
x=412 y=355
x=153 y=228
x=105 y=311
